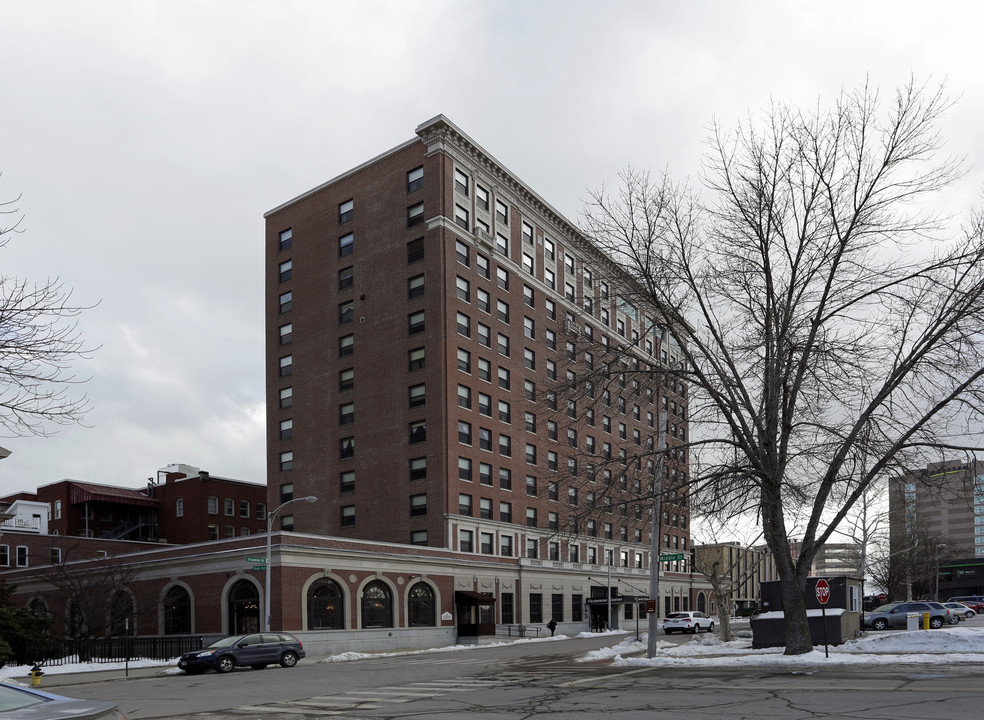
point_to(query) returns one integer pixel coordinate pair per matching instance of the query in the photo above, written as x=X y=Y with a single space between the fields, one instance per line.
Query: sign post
x=823 y=595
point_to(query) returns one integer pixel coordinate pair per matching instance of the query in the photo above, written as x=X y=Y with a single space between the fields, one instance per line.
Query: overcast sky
x=147 y=139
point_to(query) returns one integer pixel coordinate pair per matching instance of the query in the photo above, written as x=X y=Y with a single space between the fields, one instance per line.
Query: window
x=466 y=541
x=529 y=359
x=347 y=516
x=502 y=244
x=179 y=507
x=418 y=432
x=261 y=511
x=464 y=469
x=462 y=253
x=505 y=412
x=463 y=324
x=527 y=233
x=550 y=279
x=213 y=505
x=529 y=390
x=346 y=278
x=286 y=269
x=464 y=397
x=464 y=433
x=346 y=447
x=482 y=300
x=345 y=244
x=418 y=505
x=532 y=548
x=530 y=421
x=346 y=481
x=415 y=250
x=551 y=308
x=415 y=214
x=528 y=263
x=285 y=239
x=346 y=413
x=481 y=197
x=346 y=345
x=484 y=335
x=553 y=522
x=415 y=179
x=286 y=461
x=485 y=404
x=55 y=556
x=415 y=359
x=22 y=560
x=286 y=333
x=530 y=454
x=345 y=211
x=536 y=607
x=461 y=216
x=506 y=545
x=244 y=508
x=286 y=429
x=502 y=278
x=464 y=361
x=529 y=327
x=415 y=287
x=485 y=508
x=464 y=504
x=460 y=182
x=484 y=370
x=462 y=289
x=505 y=478
x=346 y=379
x=531 y=519
x=504 y=378
x=485 y=473
x=502 y=311
x=346 y=312
x=418 y=468
x=485 y=439
x=482 y=265
x=505 y=446
x=501 y=212
x=415 y=323
x=213 y=532
x=486 y=541
x=502 y=344
x=286 y=301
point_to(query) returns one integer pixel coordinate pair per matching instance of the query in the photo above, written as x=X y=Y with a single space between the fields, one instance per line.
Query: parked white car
x=690 y=621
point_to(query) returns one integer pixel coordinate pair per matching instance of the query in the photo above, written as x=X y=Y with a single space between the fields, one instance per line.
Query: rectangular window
x=485 y=508
x=502 y=278
x=55 y=557
x=536 y=607
x=464 y=361
x=213 y=505
x=286 y=270
x=485 y=404
x=502 y=244
x=346 y=379
x=462 y=253
x=347 y=518
x=415 y=250
x=346 y=481
x=464 y=397
x=415 y=214
x=505 y=478
x=482 y=300
x=464 y=433
x=502 y=344
x=418 y=468
x=285 y=239
x=464 y=504
x=461 y=216
x=527 y=233
x=346 y=447
x=345 y=211
x=484 y=335
x=485 y=439
x=346 y=345
x=418 y=505
x=418 y=432
x=532 y=548
x=415 y=179
x=482 y=265
x=484 y=471
x=464 y=469
x=528 y=265
x=415 y=287
x=501 y=212
x=286 y=429
x=502 y=311
x=286 y=461
x=346 y=278
x=179 y=507
x=482 y=200
x=346 y=312
x=415 y=359
x=531 y=519
x=345 y=244
x=22 y=560
x=415 y=323
x=261 y=511
x=460 y=182
x=346 y=413
x=557 y=606
x=244 y=508
x=487 y=542
x=466 y=541
x=506 y=545
x=286 y=302
x=484 y=370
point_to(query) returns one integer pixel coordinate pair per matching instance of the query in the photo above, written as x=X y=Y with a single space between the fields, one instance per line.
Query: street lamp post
x=936 y=595
x=266 y=589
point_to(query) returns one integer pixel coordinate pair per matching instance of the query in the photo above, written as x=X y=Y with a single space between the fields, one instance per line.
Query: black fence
x=65 y=651
x=521 y=631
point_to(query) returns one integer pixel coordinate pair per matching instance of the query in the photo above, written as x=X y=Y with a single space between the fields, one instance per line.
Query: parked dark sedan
x=256 y=650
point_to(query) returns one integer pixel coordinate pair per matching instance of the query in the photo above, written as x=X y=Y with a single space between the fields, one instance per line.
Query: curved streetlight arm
x=269 y=533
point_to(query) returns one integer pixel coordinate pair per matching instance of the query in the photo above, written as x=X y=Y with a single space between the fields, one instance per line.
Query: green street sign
x=256 y=559
x=671 y=558
x=259 y=567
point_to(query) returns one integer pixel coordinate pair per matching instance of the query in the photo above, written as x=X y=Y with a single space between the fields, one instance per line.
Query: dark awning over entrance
x=467 y=597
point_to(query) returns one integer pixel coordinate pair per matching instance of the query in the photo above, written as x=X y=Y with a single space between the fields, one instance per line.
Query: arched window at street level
x=377 y=605
x=325 y=605
x=421 y=607
x=177 y=611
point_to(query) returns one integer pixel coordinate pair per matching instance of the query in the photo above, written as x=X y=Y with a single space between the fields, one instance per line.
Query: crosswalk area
x=340 y=704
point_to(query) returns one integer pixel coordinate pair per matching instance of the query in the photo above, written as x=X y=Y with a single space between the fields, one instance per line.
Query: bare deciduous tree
x=830 y=331
x=39 y=340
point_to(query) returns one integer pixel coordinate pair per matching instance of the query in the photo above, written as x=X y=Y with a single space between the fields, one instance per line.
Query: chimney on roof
x=203 y=474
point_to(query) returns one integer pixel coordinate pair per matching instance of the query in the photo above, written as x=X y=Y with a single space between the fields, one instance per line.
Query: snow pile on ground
x=949 y=645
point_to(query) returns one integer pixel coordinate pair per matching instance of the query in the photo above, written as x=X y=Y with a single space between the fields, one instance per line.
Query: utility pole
x=655 y=535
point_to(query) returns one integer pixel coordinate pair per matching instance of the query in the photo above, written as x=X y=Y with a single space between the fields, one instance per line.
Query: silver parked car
x=960 y=610
x=690 y=621
x=21 y=703
x=896 y=614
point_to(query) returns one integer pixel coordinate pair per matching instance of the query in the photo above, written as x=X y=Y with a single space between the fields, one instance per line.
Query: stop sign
x=823 y=591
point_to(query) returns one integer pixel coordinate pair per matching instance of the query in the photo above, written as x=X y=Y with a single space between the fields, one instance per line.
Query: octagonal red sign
x=823 y=591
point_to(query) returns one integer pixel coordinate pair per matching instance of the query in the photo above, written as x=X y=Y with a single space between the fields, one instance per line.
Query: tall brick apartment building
x=423 y=311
